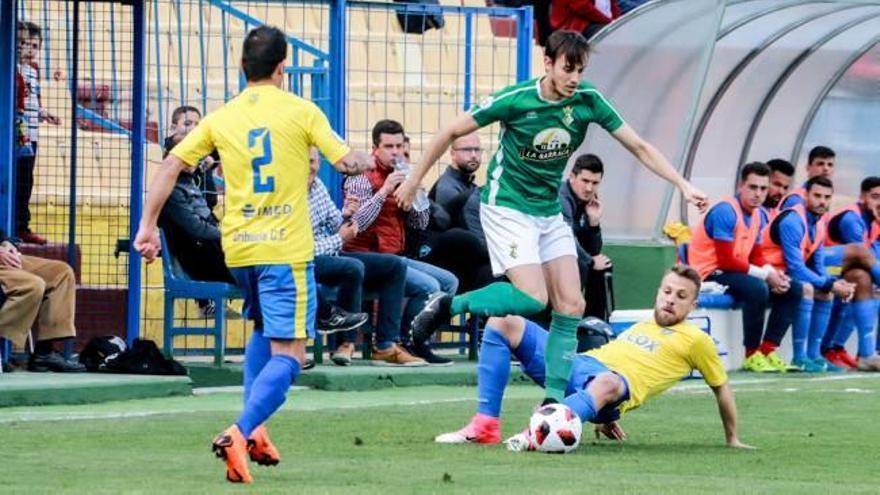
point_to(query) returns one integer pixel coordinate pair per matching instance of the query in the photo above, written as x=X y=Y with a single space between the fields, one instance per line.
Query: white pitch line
x=691 y=387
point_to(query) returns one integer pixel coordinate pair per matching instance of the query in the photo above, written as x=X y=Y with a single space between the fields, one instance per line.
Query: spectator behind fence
x=191 y=229
x=448 y=236
x=382 y=229
x=581 y=208
x=40 y=296
x=352 y=273
x=584 y=16
x=30 y=40
x=727 y=248
x=781 y=175
x=183 y=120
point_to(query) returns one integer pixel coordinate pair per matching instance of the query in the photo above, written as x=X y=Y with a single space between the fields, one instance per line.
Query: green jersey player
x=543 y=121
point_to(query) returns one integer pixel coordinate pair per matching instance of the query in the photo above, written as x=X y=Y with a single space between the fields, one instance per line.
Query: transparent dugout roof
x=717 y=83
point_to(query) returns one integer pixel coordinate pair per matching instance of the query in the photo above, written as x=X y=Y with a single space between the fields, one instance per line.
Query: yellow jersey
x=653 y=358
x=263 y=137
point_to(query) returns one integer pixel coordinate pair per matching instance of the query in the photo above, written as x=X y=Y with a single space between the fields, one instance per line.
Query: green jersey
x=537 y=138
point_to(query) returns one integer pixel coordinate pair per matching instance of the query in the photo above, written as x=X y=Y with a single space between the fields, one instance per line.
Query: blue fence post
x=7 y=111
x=525 y=27
x=158 y=56
x=74 y=131
x=203 y=70
x=138 y=117
x=468 y=59
x=114 y=88
x=47 y=71
x=336 y=105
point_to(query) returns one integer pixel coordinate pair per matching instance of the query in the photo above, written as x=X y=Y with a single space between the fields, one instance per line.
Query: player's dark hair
x=819 y=180
x=264 y=48
x=820 y=152
x=870 y=183
x=588 y=162
x=686 y=271
x=570 y=44
x=784 y=167
x=386 y=126
x=181 y=111
x=754 y=168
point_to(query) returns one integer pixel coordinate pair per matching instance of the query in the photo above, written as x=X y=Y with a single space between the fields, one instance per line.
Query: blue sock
x=533 y=340
x=818 y=325
x=865 y=316
x=844 y=327
x=268 y=392
x=800 y=330
x=839 y=310
x=257 y=353
x=384 y=344
x=875 y=273
x=581 y=402
x=493 y=371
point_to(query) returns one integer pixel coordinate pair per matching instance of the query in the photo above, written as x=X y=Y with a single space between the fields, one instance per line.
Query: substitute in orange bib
x=727 y=248
x=793 y=243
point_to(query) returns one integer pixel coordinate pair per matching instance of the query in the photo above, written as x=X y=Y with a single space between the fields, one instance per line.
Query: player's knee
x=511 y=327
x=861 y=278
x=758 y=290
x=809 y=292
x=573 y=304
x=857 y=256
x=606 y=387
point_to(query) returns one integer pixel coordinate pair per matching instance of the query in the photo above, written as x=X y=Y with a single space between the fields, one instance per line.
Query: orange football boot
x=231 y=446
x=261 y=449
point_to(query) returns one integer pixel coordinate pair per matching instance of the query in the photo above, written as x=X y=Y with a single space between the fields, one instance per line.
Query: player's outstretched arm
x=354 y=163
x=146 y=242
x=652 y=158
x=727 y=409
x=463 y=125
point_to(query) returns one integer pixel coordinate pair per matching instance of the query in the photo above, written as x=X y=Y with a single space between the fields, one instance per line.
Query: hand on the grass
x=734 y=443
x=611 y=431
x=146 y=242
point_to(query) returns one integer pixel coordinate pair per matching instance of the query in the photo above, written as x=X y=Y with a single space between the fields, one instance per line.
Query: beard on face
x=665 y=319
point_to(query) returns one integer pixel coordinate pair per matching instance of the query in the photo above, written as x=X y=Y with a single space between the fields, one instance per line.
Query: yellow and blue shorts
x=282 y=300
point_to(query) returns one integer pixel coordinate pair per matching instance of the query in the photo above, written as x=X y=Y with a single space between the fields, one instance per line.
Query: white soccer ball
x=555 y=429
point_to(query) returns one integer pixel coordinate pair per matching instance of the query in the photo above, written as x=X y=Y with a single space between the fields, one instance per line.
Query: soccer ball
x=555 y=429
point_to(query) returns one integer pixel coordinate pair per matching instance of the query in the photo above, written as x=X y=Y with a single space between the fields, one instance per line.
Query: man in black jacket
x=582 y=210
x=449 y=237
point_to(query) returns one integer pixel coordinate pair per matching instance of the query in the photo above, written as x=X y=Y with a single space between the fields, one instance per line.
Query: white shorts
x=515 y=238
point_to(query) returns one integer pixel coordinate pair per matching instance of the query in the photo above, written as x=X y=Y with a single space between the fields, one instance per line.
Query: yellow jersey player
x=644 y=361
x=263 y=136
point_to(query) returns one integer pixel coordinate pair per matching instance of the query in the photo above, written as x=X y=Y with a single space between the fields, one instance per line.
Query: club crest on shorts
x=513 y=247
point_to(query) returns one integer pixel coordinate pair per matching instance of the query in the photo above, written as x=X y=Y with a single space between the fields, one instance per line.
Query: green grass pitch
x=816 y=434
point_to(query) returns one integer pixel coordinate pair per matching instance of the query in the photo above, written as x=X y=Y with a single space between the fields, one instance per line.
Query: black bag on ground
x=99 y=349
x=144 y=358
x=418 y=23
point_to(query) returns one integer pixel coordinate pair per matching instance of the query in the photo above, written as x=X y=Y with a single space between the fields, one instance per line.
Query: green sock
x=496 y=299
x=559 y=354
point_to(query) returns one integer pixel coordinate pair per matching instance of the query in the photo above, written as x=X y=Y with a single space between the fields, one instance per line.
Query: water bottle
x=421 y=201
